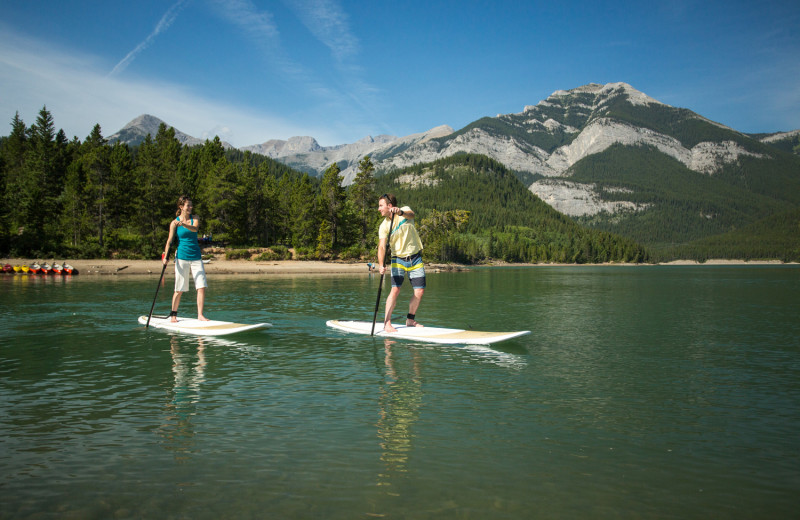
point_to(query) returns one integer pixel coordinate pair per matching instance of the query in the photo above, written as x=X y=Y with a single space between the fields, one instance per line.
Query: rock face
x=135 y=132
x=547 y=139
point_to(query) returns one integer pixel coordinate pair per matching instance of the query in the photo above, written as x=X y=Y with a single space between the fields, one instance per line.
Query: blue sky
x=252 y=70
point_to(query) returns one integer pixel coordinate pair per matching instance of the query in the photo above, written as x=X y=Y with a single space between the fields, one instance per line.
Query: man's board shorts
x=182 y=268
x=410 y=265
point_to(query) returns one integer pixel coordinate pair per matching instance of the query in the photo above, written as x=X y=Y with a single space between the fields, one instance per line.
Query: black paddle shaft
x=380 y=285
x=163 y=268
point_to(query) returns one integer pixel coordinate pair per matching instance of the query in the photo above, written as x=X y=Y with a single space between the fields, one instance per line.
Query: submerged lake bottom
x=642 y=392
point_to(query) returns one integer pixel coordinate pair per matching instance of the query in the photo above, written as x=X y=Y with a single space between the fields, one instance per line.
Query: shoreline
x=317 y=267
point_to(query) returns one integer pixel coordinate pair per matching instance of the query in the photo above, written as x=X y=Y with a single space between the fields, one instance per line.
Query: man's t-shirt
x=404 y=239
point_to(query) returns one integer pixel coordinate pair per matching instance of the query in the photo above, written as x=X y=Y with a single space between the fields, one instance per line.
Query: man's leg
x=391 y=301
x=413 y=305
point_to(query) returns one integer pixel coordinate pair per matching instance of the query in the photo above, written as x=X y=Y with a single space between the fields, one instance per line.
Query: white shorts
x=182 y=268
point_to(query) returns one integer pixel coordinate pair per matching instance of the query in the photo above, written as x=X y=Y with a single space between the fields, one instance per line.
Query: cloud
x=350 y=97
x=162 y=25
x=328 y=22
x=79 y=94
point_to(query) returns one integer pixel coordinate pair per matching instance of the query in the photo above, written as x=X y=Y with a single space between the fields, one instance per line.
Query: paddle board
x=202 y=328
x=427 y=334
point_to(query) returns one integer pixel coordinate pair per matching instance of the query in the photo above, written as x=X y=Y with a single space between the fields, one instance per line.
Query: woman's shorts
x=182 y=268
x=411 y=265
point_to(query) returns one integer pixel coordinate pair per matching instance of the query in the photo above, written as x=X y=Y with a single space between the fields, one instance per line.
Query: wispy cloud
x=78 y=92
x=329 y=24
x=259 y=27
x=162 y=25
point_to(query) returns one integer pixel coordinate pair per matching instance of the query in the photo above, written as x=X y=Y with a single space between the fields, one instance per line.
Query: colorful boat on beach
x=57 y=268
x=34 y=268
x=46 y=268
x=8 y=268
x=68 y=269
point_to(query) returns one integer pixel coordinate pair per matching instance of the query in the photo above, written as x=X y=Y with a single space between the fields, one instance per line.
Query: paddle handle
x=380 y=284
x=163 y=268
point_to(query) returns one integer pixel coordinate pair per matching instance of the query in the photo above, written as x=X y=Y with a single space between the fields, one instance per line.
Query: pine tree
x=304 y=214
x=362 y=197
x=331 y=202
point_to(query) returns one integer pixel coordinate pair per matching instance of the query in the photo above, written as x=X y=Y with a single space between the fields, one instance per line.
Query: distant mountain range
x=591 y=152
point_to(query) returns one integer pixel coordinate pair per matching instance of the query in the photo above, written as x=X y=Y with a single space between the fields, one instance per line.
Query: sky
x=339 y=71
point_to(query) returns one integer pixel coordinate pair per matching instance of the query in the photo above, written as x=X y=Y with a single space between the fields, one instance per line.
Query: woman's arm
x=165 y=256
x=194 y=226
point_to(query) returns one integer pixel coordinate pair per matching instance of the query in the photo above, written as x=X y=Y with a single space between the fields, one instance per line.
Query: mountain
x=135 y=132
x=305 y=154
x=471 y=208
x=609 y=156
x=787 y=141
x=618 y=160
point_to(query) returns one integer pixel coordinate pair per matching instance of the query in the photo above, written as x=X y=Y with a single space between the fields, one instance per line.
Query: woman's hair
x=181 y=201
x=390 y=198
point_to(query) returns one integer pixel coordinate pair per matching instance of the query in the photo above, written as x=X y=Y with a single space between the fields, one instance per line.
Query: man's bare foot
x=388 y=327
x=413 y=323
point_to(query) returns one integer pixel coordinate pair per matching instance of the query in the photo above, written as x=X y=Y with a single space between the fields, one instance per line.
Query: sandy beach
x=297 y=267
x=214 y=267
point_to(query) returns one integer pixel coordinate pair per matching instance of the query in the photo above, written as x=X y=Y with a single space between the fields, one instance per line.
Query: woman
x=187 y=257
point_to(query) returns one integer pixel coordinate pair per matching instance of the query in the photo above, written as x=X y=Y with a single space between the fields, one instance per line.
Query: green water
x=643 y=392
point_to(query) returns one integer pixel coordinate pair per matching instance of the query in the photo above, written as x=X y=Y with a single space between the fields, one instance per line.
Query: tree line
x=97 y=199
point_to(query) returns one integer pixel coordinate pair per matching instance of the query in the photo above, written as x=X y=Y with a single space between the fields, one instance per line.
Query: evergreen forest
x=67 y=198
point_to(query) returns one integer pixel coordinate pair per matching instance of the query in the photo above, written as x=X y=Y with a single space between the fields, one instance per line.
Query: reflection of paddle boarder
x=398 y=228
x=188 y=258
x=400 y=402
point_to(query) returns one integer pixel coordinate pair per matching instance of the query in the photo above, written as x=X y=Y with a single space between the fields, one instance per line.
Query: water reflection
x=188 y=369
x=400 y=402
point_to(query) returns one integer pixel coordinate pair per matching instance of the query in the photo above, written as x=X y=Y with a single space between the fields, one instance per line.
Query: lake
x=642 y=392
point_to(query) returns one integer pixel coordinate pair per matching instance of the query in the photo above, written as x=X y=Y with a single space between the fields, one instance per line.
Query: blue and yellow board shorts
x=411 y=265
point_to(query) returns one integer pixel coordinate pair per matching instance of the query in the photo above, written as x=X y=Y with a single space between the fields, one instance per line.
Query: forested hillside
x=686 y=213
x=93 y=199
x=472 y=208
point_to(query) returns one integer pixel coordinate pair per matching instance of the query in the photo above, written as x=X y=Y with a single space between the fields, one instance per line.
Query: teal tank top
x=188 y=248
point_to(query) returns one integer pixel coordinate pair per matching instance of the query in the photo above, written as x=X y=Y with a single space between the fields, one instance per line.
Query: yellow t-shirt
x=404 y=240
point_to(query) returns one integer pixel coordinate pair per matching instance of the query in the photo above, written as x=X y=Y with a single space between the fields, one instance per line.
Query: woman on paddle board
x=406 y=257
x=188 y=259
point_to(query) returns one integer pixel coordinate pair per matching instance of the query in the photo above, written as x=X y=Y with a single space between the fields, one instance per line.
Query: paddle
x=163 y=268
x=380 y=284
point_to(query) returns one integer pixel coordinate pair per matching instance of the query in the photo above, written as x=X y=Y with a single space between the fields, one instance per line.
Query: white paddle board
x=427 y=334
x=202 y=328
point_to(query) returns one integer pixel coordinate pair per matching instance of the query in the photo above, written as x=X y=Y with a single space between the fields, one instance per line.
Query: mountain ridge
x=546 y=142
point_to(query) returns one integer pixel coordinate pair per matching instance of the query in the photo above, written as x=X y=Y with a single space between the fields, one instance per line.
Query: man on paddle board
x=406 y=257
x=188 y=259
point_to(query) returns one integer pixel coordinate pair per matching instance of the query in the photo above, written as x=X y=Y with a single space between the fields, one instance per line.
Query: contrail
x=161 y=26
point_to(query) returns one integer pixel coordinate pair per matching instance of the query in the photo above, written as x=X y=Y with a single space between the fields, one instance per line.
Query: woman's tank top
x=188 y=248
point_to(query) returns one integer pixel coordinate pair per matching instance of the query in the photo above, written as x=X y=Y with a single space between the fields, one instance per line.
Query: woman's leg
x=201 y=300
x=176 y=301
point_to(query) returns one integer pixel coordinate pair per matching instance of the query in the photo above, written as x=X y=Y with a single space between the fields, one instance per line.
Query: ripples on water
x=643 y=392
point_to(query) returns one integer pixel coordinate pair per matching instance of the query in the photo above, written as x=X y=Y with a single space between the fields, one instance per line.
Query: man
x=406 y=257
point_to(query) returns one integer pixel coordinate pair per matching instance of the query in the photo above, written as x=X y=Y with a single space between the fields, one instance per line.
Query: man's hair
x=390 y=198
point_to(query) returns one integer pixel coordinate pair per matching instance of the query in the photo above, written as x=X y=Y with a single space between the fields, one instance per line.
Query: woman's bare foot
x=202 y=318
x=413 y=323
